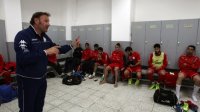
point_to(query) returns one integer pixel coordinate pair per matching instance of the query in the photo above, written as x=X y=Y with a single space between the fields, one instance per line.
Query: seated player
x=72 y=63
x=133 y=65
x=157 y=64
x=6 y=69
x=101 y=60
x=87 y=60
x=94 y=57
x=117 y=62
x=189 y=65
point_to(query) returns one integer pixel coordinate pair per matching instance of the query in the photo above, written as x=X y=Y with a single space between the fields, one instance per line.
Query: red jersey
x=117 y=57
x=103 y=58
x=135 y=57
x=95 y=54
x=189 y=62
x=1 y=63
x=87 y=54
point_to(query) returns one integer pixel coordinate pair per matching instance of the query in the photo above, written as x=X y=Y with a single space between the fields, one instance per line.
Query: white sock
x=93 y=74
x=195 y=91
x=178 y=87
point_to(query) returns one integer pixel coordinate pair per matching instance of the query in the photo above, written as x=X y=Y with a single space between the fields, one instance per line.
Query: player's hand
x=76 y=43
x=157 y=68
x=53 y=50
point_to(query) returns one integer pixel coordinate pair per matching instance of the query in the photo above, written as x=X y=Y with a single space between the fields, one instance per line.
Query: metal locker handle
x=161 y=42
x=178 y=42
x=198 y=43
x=146 y=42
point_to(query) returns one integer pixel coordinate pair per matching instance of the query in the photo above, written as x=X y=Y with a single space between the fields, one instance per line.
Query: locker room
x=99 y=55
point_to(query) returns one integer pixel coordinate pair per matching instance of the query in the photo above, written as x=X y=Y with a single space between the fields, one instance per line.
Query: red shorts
x=151 y=70
x=113 y=65
x=134 y=69
x=99 y=63
x=189 y=73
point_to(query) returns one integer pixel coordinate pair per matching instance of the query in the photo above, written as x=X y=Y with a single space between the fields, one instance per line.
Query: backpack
x=8 y=93
x=165 y=97
x=74 y=79
x=50 y=75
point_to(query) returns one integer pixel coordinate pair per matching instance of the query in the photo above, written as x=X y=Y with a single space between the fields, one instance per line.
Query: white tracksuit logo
x=22 y=45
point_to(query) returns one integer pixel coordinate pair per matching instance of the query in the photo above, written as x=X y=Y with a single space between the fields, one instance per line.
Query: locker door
x=74 y=32
x=3 y=45
x=153 y=33
x=82 y=34
x=198 y=41
x=138 y=38
x=187 y=34
x=95 y=35
x=99 y=39
x=169 y=35
x=52 y=33
x=61 y=35
x=90 y=34
x=107 y=38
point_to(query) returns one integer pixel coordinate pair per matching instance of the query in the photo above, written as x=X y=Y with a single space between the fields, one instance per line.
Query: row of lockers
x=92 y=34
x=173 y=35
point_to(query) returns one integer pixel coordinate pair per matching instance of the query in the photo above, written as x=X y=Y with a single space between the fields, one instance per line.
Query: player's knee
x=126 y=72
x=108 y=68
x=181 y=76
x=162 y=72
x=197 y=80
x=139 y=73
x=116 y=69
x=149 y=71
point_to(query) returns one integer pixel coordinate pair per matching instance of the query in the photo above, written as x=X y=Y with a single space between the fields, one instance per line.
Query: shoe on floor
x=194 y=98
x=153 y=86
x=185 y=107
x=137 y=82
x=130 y=81
x=157 y=86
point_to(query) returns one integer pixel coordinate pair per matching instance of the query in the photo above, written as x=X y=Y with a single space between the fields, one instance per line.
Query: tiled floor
x=92 y=97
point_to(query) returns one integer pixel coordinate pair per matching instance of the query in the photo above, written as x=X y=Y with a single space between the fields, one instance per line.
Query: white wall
x=70 y=13
x=93 y=12
x=121 y=20
x=2 y=11
x=54 y=7
x=13 y=20
x=86 y=12
x=152 y=10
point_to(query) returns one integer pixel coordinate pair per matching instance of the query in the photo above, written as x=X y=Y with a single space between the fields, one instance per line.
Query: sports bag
x=165 y=97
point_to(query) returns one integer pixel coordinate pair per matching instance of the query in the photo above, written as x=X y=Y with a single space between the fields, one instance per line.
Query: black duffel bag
x=165 y=97
x=74 y=79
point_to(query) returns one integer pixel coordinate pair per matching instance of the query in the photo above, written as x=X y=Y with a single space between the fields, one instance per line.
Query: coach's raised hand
x=76 y=43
